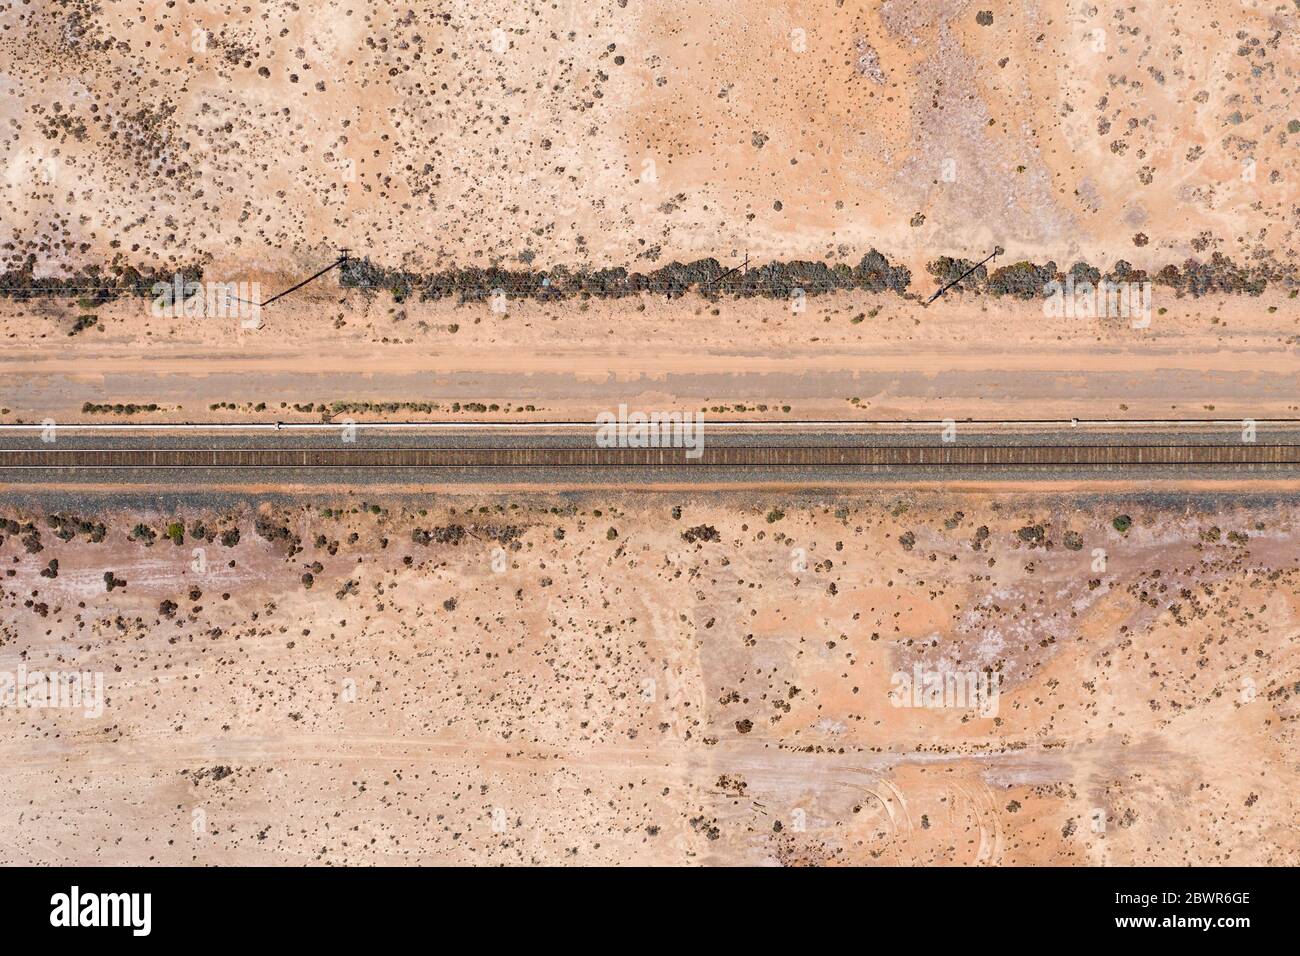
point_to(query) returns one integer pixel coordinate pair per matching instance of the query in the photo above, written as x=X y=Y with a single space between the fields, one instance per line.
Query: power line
x=345 y=255
x=333 y=265
x=997 y=250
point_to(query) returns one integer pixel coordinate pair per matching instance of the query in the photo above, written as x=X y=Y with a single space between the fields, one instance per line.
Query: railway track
x=717 y=456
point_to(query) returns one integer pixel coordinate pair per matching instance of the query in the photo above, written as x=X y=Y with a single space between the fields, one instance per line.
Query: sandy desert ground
x=623 y=133
x=657 y=678
x=249 y=146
